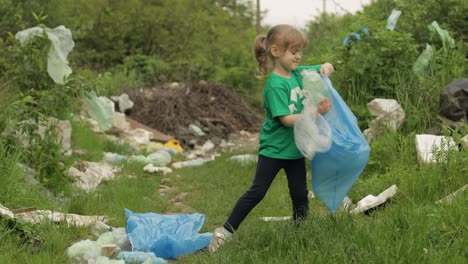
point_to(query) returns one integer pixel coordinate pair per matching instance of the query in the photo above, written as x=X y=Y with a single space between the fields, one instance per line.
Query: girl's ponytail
x=261 y=56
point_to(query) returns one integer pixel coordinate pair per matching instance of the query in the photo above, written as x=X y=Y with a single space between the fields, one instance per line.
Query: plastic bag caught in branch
x=447 y=41
x=392 y=19
x=62 y=44
x=423 y=60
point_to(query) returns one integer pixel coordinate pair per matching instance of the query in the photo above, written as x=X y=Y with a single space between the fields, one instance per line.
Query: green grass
x=410 y=229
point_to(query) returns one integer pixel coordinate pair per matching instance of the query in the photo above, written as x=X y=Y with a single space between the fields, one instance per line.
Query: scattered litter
x=244 y=159
x=124 y=102
x=208 y=146
x=275 y=218
x=90 y=174
x=174 y=144
x=168 y=236
x=464 y=142
x=106 y=260
x=117 y=236
x=448 y=199
x=346 y=203
x=188 y=163
x=160 y=158
x=371 y=201
x=196 y=130
x=389 y=115
x=101 y=110
x=108 y=245
x=139 y=136
x=151 y=168
x=84 y=251
x=113 y=158
x=140 y=257
x=38 y=216
x=100 y=227
x=432 y=149
x=120 y=122
x=311 y=195
x=6 y=212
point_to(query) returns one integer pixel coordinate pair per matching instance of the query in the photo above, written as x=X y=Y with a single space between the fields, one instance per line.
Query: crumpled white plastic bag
x=62 y=44
x=312 y=133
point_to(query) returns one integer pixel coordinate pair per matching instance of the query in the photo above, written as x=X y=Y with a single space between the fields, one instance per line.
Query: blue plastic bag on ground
x=167 y=236
x=335 y=171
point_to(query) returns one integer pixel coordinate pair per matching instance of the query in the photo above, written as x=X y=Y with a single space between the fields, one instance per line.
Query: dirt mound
x=214 y=108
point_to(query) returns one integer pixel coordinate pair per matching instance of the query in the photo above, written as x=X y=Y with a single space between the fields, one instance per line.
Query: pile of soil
x=214 y=108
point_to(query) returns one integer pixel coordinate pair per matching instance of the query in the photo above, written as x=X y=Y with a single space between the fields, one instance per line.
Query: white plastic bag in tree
x=62 y=44
x=392 y=19
x=447 y=40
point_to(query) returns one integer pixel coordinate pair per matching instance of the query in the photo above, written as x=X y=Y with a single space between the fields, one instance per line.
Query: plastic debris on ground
x=334 y=172
x=174 y=145
x=100 y=109
x=6 y=212
x=244 y=159
x=113 y=158
x=104 y=250
x=151 y=168
x=38 y=216
x=389 y=115
x=275 y=218
x=168 y=236
x=196 y=130
x=140 y=257
x=90 y=174
x=448 y=199
x=432 y=149
x=371 y=201
x=160 y=158
x=62 y=44
x=188 y=163
x=123 y=101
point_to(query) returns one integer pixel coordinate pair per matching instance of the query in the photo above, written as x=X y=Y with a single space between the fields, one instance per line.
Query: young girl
x=281 y=52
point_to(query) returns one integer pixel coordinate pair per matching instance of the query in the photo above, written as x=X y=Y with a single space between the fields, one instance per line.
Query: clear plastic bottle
x=314 y=88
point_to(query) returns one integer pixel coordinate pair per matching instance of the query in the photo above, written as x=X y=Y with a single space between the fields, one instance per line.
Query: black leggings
x=267 y=169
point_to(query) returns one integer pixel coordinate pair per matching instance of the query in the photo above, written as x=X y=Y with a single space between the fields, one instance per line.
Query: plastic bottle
x=314 y=88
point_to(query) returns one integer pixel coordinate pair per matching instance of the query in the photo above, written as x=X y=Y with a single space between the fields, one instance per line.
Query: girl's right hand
x=324 y=105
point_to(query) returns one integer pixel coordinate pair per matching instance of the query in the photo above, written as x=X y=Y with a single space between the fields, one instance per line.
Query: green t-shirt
x=281 y=96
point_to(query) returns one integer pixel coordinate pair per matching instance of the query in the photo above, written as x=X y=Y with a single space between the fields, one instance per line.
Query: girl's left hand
x=324 y=105
x=327 y=69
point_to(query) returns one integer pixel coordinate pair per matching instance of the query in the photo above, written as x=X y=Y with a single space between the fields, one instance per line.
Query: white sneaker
x=220 y=235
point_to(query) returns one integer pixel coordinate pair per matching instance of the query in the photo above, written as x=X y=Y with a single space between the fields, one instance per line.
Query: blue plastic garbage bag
x=335 y=171
x=167 y=236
